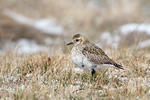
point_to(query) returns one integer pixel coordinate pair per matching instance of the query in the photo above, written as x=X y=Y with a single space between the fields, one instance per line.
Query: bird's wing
x=97 y=55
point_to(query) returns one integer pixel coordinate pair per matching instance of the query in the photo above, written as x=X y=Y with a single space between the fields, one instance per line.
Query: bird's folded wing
x=96 y=55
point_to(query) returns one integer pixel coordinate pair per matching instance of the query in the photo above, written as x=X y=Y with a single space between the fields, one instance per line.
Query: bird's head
x=78 y=39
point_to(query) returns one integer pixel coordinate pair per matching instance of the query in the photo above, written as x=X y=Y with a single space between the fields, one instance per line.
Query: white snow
x=128 y=28
x=78 y=70
x=106 y=36
x=109 y=39
x=75 y=87
x=22 y=87
x=28 y=46
x=1 y=51
x=18 y=17
x=48 y=41
x=114 y=40
x=45 y=25
x=144 y=44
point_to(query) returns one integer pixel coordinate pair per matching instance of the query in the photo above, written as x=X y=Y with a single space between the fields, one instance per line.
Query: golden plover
x=89 y=56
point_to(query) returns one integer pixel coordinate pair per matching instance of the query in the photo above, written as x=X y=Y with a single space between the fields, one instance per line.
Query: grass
x=42 y=77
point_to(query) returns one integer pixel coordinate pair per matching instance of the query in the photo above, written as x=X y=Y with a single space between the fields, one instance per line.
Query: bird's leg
x=93 y=75
x=93 y=72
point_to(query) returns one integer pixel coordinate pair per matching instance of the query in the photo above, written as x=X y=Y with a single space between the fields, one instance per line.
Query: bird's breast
x=79 y=59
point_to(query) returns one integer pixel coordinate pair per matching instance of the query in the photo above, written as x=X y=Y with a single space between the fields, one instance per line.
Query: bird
x=89 y=56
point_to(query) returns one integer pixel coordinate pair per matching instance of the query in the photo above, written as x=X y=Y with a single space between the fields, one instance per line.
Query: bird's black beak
x=70 y=43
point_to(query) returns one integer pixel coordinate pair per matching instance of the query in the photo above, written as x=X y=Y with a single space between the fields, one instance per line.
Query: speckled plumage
x=89 y=56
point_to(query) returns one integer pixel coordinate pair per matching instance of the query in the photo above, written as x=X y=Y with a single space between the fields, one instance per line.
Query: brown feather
x=76 y=36
x=97 y=55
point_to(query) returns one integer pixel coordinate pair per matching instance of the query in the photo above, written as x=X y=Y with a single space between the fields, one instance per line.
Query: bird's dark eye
x=77 y=40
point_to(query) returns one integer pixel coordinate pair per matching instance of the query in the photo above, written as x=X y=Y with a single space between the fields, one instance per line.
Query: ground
x=55 y=77
x=43 y=70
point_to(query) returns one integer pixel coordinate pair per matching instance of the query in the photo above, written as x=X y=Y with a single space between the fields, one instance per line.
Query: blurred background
x=29 y=26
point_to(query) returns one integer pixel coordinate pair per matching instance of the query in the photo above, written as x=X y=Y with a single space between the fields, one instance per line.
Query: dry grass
x=41 y=77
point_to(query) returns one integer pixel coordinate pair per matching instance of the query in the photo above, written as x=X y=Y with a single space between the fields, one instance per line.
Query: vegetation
x=52 y=75
x=43 y=77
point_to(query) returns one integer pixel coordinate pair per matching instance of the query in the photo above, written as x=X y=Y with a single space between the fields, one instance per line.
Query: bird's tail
x=118 y=66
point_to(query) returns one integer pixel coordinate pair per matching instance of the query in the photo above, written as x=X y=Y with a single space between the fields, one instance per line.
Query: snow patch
x=28 y=46
x=128 y=28
x=75 y=87
x=18 y=17
x=48 y=41
x=78 y=70
x=144 y=44
x=47 y=26
x=109 y=39
x=44 y=25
